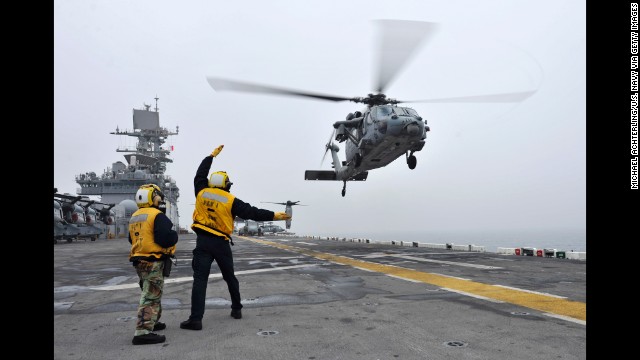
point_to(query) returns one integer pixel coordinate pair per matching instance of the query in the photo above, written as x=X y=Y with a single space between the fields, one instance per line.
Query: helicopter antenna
x=157 y=98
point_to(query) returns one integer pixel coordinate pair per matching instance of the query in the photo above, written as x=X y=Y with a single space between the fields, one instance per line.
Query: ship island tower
x=145 y=164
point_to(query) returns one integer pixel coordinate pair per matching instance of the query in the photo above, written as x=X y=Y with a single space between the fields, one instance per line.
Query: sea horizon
x=559 y=239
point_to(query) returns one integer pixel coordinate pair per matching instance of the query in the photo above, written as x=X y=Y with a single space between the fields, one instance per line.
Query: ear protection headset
x=220 y=179
x=149 y=195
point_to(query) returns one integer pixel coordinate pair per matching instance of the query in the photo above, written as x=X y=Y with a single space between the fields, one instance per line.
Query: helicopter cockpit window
x=412 y=112
x=383 y=111
x=369 y=119
x=405 y=111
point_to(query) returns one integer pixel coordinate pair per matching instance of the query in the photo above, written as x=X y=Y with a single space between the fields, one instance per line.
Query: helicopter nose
x=413 y=129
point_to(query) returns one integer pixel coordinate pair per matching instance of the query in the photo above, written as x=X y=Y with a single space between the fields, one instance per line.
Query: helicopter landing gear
x=411 y=161
x=344 y=188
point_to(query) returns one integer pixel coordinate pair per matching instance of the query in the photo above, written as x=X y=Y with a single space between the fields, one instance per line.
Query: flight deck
x=319 y=298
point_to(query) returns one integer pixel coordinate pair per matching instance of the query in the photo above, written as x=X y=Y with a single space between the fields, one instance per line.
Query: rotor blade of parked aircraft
x=288 y=203
x=220 y=84
x=398 y=41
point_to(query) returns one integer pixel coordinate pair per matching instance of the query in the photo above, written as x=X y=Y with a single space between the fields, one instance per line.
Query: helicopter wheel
x=412 y=162
x=358 y=160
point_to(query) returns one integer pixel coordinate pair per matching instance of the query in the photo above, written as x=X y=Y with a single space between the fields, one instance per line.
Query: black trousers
x=208 y=249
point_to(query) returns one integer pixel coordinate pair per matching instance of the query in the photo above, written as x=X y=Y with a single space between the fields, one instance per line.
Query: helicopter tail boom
x=331 y=175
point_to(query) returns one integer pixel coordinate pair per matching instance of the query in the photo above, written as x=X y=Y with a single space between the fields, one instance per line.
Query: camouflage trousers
x=152 y=283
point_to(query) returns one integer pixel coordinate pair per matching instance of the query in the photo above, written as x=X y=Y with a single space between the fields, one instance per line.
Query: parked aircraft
x=248 y=227
x=271 y=228
x=75 y=218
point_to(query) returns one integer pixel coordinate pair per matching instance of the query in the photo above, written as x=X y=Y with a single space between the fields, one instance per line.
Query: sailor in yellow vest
x=213 y=218
x=152 y=242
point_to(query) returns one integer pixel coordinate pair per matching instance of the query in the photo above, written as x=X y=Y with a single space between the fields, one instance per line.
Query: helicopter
x=74 y=217
x=383 y=131
x=248 y=227
x=60 y=229
x=288 y=209
x=271 y=228
x=105 y=214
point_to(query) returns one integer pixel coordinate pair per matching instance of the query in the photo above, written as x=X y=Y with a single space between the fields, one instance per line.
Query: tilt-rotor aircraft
x=287 y=209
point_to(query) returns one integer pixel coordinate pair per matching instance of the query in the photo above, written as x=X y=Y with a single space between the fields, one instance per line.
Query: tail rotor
x=328 y=146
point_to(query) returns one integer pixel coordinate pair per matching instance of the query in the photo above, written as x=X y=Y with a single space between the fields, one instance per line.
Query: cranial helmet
x=220 y=179
x=149 y=195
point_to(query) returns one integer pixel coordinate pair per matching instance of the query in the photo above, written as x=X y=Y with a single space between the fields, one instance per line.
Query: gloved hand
x=281 y=216
x=215 y=152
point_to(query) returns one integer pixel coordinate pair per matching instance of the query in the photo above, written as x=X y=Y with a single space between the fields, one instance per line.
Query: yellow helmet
x=220 y=179
x=149 y=195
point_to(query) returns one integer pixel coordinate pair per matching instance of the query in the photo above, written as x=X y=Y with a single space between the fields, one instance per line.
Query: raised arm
x=200 y=181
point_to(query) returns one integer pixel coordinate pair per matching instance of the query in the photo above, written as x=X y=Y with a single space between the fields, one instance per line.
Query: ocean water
x=559 y=239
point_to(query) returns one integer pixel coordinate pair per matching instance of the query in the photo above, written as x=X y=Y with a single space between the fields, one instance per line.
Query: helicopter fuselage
x=373 y=139
x=271 y=228
x=378 y=137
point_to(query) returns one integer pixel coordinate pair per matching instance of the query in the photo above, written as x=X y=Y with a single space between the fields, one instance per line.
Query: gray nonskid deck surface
x=298 y=306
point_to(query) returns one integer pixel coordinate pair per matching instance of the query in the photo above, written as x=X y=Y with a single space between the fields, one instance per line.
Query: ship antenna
x=157 y=98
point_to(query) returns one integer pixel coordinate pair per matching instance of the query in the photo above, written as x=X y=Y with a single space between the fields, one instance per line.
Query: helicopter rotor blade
x=512 y=97
x=220 y=84
x=327 y=146
x=398 y=41
x=325 y=155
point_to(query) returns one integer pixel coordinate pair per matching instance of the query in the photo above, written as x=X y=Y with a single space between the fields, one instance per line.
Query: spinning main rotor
x=398 y=40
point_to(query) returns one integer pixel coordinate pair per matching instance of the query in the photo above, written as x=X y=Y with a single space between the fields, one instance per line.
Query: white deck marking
x=405 y=279
x=445 y=262
x=190 y=278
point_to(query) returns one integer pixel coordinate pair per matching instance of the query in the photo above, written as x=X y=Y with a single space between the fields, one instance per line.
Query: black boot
x=159 y=326
x=149 y=338
x=236 y=314
x=191 y=324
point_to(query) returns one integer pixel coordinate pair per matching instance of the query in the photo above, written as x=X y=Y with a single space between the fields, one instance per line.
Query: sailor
x=213 y=218
x=153 y=243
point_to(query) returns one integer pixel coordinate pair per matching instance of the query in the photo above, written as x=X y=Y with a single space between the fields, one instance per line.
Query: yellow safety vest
x=141 y=232
x=213 y=212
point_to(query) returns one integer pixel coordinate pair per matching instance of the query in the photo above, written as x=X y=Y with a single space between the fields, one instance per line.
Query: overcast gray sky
x=484 y=166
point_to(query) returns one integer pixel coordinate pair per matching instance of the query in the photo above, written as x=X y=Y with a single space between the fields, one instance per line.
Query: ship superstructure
x=145 y=164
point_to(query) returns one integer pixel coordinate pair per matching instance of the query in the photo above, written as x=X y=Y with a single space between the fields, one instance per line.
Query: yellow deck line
x=550 y=304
